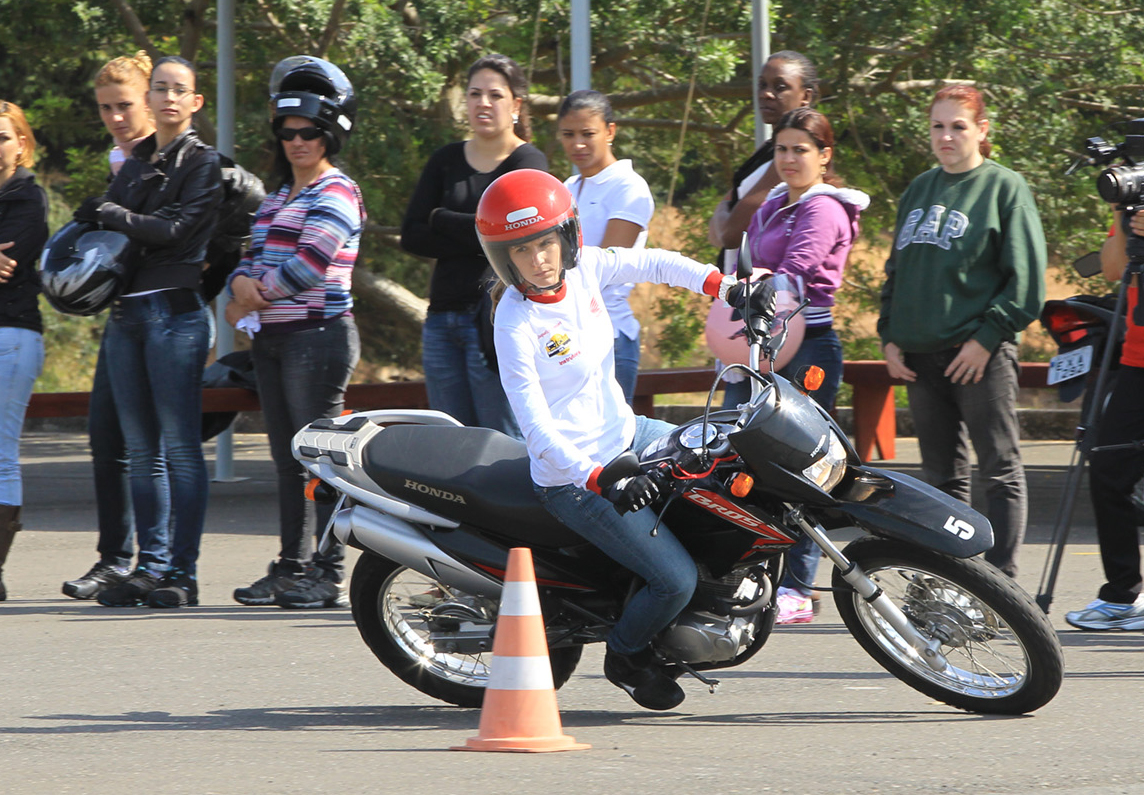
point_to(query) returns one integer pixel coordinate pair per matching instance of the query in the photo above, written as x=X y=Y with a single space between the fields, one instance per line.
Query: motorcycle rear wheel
x=390 y=603
x=1003 y=656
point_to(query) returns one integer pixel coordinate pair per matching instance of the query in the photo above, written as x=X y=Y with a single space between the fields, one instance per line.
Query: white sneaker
x=1109 y=615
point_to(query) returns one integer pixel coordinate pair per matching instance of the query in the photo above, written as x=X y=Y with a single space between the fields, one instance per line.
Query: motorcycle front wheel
x=1002 y=654
x=395 y=609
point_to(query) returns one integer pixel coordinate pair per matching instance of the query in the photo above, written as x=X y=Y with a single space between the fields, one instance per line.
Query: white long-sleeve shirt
x=556 y=360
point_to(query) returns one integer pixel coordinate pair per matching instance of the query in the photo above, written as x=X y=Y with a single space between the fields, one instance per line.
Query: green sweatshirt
x=968 y=261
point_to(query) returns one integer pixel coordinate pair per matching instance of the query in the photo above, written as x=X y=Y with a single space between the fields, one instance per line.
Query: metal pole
x=760 y=51
x=581 y=44
x=224 y=342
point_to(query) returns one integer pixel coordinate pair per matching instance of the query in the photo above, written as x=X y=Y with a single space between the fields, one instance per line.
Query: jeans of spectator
x=109 y=466
x=156 y=352
x=458 y=379
x=820 y=347
x=627 y=354
x=666 y=567
x=21 y=360
x=1113 y=474
x=945 y=414
x=302 y=376
x=736 y=393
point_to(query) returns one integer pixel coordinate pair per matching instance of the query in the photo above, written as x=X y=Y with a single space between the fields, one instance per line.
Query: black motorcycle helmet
x=314 y=89
x=83 y=267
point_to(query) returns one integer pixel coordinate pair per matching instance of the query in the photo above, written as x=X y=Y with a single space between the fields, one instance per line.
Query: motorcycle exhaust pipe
x=377 y=533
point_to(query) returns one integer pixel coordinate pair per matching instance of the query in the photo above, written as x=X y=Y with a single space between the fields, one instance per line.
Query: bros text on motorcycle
x=434 y=508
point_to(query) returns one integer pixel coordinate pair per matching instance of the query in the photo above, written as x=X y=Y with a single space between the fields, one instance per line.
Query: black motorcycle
x=434 y=507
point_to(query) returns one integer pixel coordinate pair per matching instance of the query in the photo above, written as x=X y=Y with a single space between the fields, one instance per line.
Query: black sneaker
x=102 y=575
x=133 y=591
x=643 y=680
x=314 y=591
x=262 y=592
x=176 y=589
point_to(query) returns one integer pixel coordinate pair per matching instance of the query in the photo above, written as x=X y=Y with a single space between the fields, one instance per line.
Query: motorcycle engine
x=701 y=637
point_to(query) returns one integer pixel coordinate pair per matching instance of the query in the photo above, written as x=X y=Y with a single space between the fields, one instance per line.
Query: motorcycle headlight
x=827 y=471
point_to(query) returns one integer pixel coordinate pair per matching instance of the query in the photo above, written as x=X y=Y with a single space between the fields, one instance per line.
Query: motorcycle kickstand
x=927 y=648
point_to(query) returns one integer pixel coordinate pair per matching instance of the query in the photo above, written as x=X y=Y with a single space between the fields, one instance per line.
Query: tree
x=1055 y=72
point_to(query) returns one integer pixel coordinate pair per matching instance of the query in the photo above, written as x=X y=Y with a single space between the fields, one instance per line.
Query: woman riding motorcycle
x=555 y=345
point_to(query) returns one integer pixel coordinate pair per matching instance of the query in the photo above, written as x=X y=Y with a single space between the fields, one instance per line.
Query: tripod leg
x=1061 y=530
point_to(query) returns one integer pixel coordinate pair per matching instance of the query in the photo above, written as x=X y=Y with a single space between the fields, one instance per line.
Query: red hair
x=970 y=99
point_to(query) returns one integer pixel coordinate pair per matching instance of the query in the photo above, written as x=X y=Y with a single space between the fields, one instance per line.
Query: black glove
x=88 y=212
x=762 y=301
x=631 y=494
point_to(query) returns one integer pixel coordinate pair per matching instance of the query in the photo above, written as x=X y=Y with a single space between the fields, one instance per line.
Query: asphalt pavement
x=223 y=698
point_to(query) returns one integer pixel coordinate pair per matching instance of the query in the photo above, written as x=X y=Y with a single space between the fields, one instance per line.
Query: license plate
x=1065 y=366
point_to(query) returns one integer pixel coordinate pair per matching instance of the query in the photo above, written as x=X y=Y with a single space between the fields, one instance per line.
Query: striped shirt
x=303 y=251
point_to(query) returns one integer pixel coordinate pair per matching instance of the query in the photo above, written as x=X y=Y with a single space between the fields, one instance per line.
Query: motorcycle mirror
x=625 y=465
x=745 y=267
x=1088 y=265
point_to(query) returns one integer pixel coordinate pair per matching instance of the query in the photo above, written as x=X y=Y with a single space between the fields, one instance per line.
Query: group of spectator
x=964 y=277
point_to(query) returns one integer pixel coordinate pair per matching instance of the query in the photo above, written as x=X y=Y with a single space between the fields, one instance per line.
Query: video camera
x=1122 y=184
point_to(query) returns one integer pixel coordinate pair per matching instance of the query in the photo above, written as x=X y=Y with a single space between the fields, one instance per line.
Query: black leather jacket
x=23 y=221
x=168 y=208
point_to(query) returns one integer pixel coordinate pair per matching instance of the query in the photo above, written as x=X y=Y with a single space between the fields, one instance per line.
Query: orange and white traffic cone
x=519 y=711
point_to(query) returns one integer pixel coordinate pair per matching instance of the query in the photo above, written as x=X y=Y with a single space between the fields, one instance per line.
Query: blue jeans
x=302 y=376
x=820 y=347
x=627 y=355
x=665 y=566
x=458 y=378
x=156 y=358
x=945 y=413
x=109 y=466
x=21 y=360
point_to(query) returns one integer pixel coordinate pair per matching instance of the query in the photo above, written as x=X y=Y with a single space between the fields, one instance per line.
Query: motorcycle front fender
x=895 y=505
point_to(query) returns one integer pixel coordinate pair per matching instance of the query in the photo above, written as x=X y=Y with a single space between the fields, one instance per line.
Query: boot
x=9 y=524
x=643 y=679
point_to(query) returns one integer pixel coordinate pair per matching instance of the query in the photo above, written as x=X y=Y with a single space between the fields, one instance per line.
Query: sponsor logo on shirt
x=558 y=345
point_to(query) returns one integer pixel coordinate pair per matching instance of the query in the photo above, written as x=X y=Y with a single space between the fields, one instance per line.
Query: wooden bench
x=873 y=402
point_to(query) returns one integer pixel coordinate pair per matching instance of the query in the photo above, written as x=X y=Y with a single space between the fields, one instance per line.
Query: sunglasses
x=307 y=133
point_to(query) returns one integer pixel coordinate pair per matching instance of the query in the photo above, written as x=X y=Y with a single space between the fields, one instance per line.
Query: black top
x=168 y=208
x=451 y=184
x=763 y=154
x=23 y=221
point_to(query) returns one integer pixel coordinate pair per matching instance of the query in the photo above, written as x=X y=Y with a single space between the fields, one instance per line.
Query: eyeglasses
x=178 y=91
x=289 y=133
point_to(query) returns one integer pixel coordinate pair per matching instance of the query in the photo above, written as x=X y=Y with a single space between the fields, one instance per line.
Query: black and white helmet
x=83 y=267
x=314 y=89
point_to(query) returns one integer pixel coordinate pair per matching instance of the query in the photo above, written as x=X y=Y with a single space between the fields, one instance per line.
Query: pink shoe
x=794 y=608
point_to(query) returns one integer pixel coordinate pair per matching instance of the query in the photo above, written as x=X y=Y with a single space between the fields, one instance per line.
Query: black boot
x=9 y=524
x=643 y=679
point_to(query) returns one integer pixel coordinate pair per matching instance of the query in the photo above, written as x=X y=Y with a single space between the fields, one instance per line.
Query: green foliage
x=1054 y=73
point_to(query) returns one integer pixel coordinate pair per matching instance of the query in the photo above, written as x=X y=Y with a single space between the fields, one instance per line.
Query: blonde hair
x=125 y=70
x=9 y=110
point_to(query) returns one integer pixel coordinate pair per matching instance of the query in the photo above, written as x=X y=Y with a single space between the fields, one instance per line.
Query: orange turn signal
x=310 y=487
x=812 y=378
x=742 y=484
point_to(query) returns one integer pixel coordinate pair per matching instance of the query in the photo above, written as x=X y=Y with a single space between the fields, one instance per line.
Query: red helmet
x=520 y=206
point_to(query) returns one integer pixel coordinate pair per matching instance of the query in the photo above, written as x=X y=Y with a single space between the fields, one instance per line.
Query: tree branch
x=331 y=31
x=135 y=26
x=194 y=19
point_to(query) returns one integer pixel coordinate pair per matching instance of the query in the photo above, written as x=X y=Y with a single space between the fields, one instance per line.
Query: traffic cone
x=519 y=711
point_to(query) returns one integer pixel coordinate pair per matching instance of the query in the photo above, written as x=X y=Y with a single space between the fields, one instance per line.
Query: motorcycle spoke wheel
x=393 y=608
x=406 y=606
x=1001 y=653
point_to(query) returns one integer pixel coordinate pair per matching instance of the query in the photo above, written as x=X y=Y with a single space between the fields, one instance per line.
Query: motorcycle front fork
x=929 y=649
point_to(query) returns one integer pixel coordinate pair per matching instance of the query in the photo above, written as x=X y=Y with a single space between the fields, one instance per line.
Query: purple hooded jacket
x=810 y=238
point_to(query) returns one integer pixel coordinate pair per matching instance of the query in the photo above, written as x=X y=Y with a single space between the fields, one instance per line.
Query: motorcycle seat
x=476 y=476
